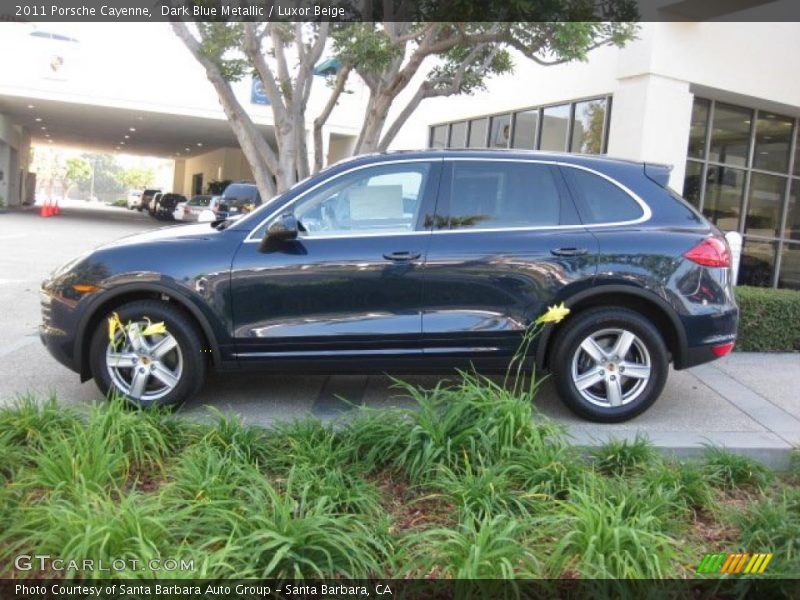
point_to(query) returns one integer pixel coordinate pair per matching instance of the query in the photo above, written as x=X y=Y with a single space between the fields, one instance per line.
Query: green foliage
x=135 y=178
x=221 y=43
x=727 y=470
x=769 y=320
x=78 y=169
x=470 y=484
x=773 y=525
x=611 y=537
x=486 y=548
x=620 y=457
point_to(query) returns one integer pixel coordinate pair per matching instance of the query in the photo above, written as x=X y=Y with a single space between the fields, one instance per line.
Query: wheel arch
x=125 y=294
x=644 y=302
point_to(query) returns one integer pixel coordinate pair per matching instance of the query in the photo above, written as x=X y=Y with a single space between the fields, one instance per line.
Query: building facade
x=720 y=102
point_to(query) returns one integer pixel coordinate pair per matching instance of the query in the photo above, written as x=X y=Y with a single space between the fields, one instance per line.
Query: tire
x=173 y=377
x=590 y=376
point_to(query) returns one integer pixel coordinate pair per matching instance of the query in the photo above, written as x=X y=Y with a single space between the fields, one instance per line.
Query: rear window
x=601 y=201
x=237 y=194
x=200 y=201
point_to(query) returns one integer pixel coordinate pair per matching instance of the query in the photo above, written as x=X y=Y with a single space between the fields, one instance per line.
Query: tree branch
x=322 y=118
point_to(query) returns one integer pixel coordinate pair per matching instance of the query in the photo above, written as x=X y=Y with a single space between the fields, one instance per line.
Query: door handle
x=569 y=251
x=405 y=255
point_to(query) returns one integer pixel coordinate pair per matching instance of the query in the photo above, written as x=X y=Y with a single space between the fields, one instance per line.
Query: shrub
x=619 y=457
x=769 y=320
x=773 y=525
x=726 y=470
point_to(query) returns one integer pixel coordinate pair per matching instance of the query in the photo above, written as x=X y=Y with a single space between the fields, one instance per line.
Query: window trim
x=647 y=213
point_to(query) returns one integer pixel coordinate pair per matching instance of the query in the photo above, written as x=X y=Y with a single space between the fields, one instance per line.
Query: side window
x=385 y=198
x=599 y=200
x=496 y=194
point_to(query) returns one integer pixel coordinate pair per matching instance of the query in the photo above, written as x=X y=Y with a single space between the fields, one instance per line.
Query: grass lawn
x=471 y=484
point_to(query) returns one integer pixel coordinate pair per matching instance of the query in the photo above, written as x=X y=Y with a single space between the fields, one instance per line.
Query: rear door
x=506 y=243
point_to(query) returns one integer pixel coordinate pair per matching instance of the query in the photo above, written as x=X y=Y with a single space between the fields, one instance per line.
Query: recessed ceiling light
x=200 y=144
x=127 y=137
x=140 y=118
x=186 y=149
x=131 y=128
x=43 y=128
x=50 y=141
x=31 y=106
x=47 y=135
x=38 y=119
x=117 y=148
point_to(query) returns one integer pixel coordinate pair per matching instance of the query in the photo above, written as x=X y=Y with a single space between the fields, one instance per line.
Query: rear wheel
x=149 y=369
x=609 y=364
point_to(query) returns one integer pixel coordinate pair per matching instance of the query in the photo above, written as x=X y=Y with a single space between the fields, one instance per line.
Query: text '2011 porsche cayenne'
x=413 y=262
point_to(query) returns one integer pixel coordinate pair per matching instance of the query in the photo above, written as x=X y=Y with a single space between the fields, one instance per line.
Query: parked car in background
x=239 y=198
x=147 y=198
x=195 y=205
x=152 y=207
x=165 y=204
x=134 y=199
x=414 y=262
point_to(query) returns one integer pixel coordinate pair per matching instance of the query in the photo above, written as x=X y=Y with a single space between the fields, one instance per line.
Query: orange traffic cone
x=56 y=210
x=45 y=210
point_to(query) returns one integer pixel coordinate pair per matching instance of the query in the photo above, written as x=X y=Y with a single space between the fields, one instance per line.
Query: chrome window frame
x=647 y=213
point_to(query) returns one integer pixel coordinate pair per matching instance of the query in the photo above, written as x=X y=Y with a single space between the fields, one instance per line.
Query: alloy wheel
x=144 y=367
x=611 y=367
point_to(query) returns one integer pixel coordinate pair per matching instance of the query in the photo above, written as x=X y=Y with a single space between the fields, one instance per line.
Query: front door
x=506 y=242
x=350 y=285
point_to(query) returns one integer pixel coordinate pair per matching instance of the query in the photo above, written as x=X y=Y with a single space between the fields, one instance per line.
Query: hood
x=173 y=233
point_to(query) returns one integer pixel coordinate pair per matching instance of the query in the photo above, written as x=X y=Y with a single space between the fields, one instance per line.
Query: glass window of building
x=439 y=136
x=500 y=131
x=525 y=129
x=773 y=139
x=791 y=230
x=692 y=183
x=757 y=263
x=588 y=127
x=730 y=135
x=555 y=124
x=748 y=193
x=458 y=135
x=699 y=127
x=789 y=276
x=765 y=205
x=796 y=148
x=724 y=195
x=478 y=129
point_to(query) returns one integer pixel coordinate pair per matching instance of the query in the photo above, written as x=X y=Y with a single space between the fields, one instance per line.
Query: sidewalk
x=747 y=402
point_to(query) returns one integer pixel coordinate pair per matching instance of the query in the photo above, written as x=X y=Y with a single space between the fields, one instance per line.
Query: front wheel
x=149 y=368
x=609 y=364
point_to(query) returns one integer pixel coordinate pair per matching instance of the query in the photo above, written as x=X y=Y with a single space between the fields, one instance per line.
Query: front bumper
x=59 y=342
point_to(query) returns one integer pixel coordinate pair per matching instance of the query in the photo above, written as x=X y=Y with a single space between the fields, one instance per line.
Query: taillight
x=722 y=349
x=711 y=252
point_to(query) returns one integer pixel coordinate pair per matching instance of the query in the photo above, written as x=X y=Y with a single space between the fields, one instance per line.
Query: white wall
x=217 y=165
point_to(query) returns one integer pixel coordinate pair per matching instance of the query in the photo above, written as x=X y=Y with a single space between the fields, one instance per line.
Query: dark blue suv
x=412 y=262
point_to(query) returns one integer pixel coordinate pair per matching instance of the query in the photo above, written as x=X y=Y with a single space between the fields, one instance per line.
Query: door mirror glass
x=283 y=229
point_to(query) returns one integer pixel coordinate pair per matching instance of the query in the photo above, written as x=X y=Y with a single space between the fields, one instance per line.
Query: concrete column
x=5 y=173
x=650 y=121
x=179 y=176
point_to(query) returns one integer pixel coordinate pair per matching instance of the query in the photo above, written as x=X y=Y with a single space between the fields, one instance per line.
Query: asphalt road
x=697 y=406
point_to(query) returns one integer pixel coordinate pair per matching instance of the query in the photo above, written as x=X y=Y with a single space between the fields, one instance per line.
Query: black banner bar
x=398 y=10
x=406 y=589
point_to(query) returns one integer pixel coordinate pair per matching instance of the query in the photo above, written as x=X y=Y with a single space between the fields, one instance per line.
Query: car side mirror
x=284 y=229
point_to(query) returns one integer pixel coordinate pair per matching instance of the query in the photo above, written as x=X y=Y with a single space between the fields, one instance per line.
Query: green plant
x=620 y=457
x=2 y=201
x=486 y=548
x=606 y=537
x=726 y=470
x=773 y=525
x=769 y=320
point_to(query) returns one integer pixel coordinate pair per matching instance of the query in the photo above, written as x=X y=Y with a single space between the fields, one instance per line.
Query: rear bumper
x=705 y=334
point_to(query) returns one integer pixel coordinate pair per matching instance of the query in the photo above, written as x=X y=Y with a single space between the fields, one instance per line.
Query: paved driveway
x=746 y=402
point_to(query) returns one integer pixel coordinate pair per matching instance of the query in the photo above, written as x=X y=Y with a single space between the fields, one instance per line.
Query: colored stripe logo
x=741 y=563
